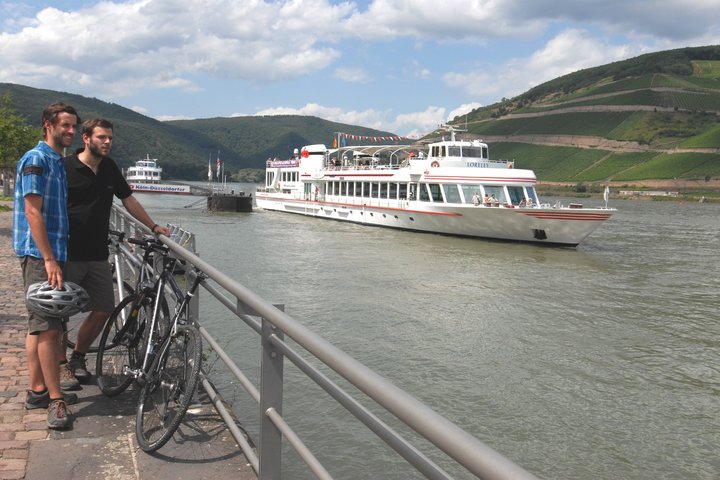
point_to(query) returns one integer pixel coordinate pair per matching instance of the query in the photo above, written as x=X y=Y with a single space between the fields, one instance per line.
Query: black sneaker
x=78 y=367
x=58 y=415
x=34 y=400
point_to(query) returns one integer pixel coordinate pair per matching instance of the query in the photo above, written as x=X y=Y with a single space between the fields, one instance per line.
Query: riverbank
x=667 y=190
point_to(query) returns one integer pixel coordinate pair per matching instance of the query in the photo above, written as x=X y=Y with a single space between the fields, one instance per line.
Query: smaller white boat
x=146 y=177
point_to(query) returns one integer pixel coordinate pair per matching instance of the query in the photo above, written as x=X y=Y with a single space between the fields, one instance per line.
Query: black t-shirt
x=90 y=198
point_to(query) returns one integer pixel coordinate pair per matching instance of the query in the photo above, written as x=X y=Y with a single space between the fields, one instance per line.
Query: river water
x=598 y=362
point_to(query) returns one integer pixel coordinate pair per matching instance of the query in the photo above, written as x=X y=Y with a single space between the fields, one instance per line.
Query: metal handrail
x=466 y=450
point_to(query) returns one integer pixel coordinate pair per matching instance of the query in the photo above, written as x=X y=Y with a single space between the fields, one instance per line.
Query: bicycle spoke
x=169 y=389
x=118 y=347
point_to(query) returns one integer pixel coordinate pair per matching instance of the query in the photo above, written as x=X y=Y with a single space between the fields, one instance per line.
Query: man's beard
x=95 y=150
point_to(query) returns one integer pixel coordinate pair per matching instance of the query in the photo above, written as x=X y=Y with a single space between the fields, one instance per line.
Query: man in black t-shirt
x=93 y=180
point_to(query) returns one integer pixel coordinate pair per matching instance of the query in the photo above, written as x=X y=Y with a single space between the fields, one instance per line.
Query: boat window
x=455 y=151
x=435 y=192
x=516 y=194
x=532 y=195
x=358 y=189
x=383 y=190
x=422 y=193
x=374 y=189
x=498 y=191
x=452 y=195
x=402 y=191
x=468 y=191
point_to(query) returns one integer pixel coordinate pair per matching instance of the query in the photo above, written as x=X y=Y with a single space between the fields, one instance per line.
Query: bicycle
x=159 y=353
x=120 y=286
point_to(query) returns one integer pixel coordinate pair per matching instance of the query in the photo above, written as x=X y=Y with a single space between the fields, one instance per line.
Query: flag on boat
x=209 y=168
x=606 y=195
x=218 y=165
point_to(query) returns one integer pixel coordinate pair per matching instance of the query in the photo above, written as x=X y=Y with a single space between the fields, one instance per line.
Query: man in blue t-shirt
x=40 y=236
x=94 y=179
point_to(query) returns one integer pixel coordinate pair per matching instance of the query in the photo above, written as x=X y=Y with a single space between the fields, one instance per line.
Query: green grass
x=679 y=165
x=662 y=128
x=611 y=164
x=558 y=164
x=709 y=69
x=581 y=123
x=709 y=139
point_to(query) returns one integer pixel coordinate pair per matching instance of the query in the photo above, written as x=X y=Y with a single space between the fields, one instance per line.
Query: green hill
x=656 y=116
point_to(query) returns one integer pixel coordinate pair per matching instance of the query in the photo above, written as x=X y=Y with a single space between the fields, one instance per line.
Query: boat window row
x=282 y=176
x=435 y=192
x=459 y=151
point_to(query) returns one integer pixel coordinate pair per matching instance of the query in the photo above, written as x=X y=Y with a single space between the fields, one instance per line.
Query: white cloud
x=353 y=75
x=114 y=49
x=406 y=124
x=154 y=51
x=569 y=51
x=462 y=110
x=427 y=20
x=368 y=118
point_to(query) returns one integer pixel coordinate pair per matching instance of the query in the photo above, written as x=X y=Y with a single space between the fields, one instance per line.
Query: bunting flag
x=218 y=165
x=344 y=137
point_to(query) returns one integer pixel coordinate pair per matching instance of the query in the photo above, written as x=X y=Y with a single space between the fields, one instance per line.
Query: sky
x=403 y=66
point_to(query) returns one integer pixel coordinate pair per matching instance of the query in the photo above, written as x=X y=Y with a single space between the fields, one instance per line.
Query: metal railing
x=273 y=325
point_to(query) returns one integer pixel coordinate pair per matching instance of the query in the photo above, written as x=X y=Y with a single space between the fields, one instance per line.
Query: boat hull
x=543 y=225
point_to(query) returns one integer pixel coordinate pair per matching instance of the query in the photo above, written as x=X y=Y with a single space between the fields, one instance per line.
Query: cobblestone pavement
x=17 y=425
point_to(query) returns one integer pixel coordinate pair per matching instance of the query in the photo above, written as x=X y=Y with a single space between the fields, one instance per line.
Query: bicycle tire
x=120 y=345
x=74 y=322
x=169 y=389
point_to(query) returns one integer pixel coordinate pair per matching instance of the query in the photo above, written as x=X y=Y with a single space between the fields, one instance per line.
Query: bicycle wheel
x=169 y=389
x=74 y=322
x=120 y=345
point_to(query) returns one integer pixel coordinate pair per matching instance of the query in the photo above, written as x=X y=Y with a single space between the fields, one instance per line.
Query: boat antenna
x=452 y=129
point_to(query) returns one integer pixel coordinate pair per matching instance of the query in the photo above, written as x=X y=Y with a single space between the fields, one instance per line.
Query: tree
x=16 y=136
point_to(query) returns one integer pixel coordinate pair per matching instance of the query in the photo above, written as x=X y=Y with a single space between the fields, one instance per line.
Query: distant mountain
x=656 y=116
x=183 y=147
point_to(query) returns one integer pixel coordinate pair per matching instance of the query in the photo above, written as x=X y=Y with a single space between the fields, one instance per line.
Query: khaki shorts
x=33 y=270
x=96 y=279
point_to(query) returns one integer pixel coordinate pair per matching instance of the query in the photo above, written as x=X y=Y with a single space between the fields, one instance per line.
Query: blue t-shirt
x=41 y=171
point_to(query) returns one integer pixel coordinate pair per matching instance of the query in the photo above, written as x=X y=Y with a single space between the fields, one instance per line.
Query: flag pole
x=606 y=195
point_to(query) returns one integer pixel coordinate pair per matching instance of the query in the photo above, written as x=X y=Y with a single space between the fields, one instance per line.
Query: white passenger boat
x=146 y=177
x=448 y=187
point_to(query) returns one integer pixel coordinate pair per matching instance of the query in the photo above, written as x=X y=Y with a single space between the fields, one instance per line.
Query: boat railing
x=275 y=329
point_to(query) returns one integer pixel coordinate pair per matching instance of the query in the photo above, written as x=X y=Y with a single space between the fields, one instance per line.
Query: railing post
x=271 y=395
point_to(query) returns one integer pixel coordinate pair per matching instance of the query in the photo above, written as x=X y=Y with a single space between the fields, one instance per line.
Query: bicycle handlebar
x=115 y=233
x=150 y=243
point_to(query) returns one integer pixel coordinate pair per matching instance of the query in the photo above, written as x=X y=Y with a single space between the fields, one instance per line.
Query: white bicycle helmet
x=43 y=299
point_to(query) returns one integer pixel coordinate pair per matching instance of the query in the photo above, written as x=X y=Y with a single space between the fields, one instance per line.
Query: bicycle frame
x=157 y=292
